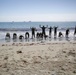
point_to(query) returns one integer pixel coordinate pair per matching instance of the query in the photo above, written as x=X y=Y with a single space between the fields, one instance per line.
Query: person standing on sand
x=50 y=31
x=67 y=33
x=75 y=31
x=43 y=30
x=55 y=31
x=33 y=29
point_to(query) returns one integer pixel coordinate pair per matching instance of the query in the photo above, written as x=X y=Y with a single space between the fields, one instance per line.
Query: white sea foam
x=3 y=34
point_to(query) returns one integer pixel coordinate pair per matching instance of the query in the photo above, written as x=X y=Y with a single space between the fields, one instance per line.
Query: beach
x=37 y=37
x=38 y=58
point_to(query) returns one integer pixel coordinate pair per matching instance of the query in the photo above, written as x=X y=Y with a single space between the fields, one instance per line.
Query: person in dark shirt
x=26 y=35
x=50 y=31
x=33 y=29
x=60 y=34
x=43 y=30
x=75 y=31
x=55 y=31
x=67 y=32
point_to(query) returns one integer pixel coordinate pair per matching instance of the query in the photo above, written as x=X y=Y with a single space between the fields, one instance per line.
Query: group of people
x=43 y=33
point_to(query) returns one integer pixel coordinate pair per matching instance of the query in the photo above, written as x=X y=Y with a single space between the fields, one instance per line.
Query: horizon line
x=37 y=21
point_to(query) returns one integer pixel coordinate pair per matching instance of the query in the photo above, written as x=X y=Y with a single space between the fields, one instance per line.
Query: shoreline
x=37 y=42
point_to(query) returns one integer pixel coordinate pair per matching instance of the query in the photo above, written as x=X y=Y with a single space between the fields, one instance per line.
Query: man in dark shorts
x=55 y=31
x=75 y=31
x=50 y=31
x=67 y=33
x=43 y=30
x=33 y=29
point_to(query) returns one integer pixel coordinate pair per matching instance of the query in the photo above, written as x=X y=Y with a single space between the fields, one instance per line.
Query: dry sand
x=54 y=58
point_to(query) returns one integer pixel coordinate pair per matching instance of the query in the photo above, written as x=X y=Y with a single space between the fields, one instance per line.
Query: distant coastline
x=35 y=21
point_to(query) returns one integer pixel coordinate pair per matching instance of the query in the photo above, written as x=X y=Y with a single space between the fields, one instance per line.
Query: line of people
x=43 y=33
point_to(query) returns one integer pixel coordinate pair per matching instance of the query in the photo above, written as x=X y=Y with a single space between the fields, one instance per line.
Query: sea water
x=22 y=27
x=36 y=24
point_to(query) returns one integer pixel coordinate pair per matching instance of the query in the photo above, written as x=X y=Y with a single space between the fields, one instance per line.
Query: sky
x=37 y=10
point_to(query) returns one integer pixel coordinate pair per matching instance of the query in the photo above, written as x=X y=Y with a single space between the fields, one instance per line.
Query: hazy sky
x=38 y=10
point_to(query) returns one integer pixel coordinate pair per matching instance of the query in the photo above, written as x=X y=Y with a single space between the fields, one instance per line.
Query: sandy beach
x=52 y=58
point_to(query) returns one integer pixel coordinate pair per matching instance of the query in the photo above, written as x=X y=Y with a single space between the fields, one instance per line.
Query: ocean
x=36 y=24
x=21 y=27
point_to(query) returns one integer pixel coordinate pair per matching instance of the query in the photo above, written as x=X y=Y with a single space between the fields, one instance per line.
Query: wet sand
x=50 y=58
